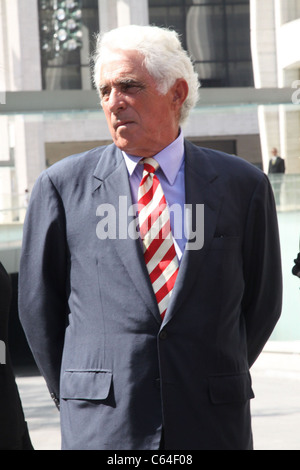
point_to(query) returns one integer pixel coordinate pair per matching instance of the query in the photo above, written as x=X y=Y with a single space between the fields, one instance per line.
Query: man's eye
x=130 y=87
x=104 y=92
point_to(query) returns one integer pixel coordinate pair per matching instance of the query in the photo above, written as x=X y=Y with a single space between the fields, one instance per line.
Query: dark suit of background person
x=296 y=268
x=276 y=164
x=276 y=167
x=119 y=372
x=13 y=428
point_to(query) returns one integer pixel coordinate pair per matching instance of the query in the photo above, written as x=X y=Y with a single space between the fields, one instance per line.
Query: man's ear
x=180 y=91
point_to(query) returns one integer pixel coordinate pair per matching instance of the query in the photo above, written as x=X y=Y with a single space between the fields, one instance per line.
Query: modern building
x=239 y=48
x=245 y=51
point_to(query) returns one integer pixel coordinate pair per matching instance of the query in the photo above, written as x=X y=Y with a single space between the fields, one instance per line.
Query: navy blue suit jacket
x=91 y=318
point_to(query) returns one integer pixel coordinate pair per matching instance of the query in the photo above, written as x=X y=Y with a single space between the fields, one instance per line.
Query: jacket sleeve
x=42 y=280
x=262 y=299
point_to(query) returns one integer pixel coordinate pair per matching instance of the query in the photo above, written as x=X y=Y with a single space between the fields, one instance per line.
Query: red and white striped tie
x=155 y=231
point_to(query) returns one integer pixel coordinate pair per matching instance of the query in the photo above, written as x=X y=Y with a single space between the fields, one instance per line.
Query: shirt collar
x=170 y=159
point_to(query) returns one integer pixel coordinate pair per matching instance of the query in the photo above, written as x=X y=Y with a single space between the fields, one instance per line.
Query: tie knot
x=150 y=165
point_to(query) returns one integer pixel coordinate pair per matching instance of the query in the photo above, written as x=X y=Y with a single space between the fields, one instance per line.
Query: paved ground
x=275 y=410
x=41 y=414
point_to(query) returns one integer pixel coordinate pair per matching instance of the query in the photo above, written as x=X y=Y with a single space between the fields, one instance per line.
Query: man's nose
x=116 y=100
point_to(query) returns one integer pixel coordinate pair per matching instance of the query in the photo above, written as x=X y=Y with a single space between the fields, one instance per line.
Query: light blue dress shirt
x=171 y=176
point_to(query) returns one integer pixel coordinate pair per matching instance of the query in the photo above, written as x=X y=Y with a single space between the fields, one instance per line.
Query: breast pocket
x=85 y=384
x=225 y=243
x=227 y=255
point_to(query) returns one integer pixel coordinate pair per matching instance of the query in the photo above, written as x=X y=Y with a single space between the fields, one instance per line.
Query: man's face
x=141 y=120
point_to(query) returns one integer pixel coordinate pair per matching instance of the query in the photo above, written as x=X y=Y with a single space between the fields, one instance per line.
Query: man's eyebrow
x=123 y=81
x=129 y=81
x=103 y=87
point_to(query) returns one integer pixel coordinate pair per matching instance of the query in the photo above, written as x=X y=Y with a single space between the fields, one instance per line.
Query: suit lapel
x=112 y=183
x=202 y=187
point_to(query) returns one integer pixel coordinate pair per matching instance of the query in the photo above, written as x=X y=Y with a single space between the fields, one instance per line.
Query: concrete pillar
x=20 y=37
x=289 y=10
x=3 y=54
x=263 y=43
x=268 y=118
x=114 y=13
x=274 y=36
x=29 y=150
x=6 y=170
x=290 y=149
x=279 y=127
x=4 y=132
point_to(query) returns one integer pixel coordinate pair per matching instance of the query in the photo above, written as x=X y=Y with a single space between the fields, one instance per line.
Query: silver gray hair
x=164 y=58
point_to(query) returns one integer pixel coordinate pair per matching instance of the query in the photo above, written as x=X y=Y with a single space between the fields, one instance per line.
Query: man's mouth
x=122 y=123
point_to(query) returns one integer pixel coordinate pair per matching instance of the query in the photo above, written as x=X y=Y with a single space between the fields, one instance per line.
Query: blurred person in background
x=14 y=433
x=296 y=268
x=276 y=164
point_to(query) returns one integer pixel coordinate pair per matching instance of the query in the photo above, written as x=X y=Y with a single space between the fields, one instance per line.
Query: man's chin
x=123 y=144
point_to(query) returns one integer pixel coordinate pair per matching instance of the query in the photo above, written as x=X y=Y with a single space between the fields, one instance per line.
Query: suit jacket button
x=163 y=335
x=157 y=383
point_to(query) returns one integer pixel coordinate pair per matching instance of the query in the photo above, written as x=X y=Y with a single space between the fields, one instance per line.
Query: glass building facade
x=215 y=32
x=67 y=31
x=217 y=35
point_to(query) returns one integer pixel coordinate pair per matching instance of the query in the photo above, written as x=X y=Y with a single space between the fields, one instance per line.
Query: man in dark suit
x=296 y=268
x=276 y=164
x=140 y=356
x=14 y=433
x=276 y=167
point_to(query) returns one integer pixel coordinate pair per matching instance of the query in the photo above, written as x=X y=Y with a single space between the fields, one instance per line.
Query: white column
x=133 y=12
x=29 y=150
x=290 y=148
x=108 y=18
x=114 y=13
x=269 y=129
x=20 y=37
x=3 y=53
x=263 y=43
x=289 y=10
x=4 y=132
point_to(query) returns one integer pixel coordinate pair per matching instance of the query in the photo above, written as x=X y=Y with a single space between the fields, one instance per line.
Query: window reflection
x=216 y=34
x=66 y=36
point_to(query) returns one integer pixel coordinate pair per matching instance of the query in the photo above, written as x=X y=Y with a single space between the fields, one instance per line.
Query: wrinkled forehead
x=119 y=64
x=120 y=55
